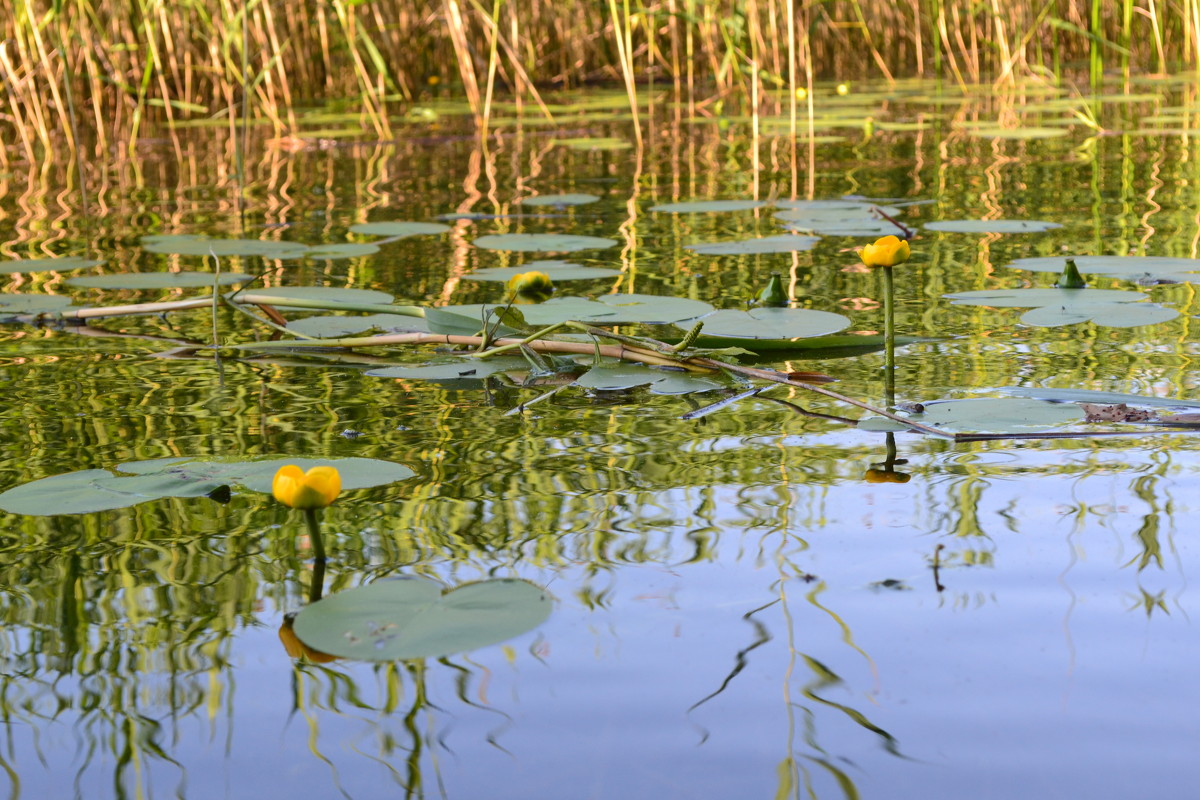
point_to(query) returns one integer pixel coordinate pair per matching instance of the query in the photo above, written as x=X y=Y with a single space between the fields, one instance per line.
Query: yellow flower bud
x=531 y=283
x=886 y=252
x=316 y=488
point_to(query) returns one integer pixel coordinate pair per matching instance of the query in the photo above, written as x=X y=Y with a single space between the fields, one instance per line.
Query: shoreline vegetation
x=103 y=73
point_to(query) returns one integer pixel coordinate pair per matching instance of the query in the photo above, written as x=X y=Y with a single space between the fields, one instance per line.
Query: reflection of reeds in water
x=97 y=65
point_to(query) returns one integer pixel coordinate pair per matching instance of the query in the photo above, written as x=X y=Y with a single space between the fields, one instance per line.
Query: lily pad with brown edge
x=405 y=618
x=135 y=482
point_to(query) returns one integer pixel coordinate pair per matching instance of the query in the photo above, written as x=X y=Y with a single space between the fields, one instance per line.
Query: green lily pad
x=594 y=143
x=331 y=252
x=1132 y=267
x=468 y=320
x=1030 y=298
x=1022 y=132
x=837 y=217
x=460 y=369
x=558 y=200
x=399 y=228
x=541 y=242
x=708 y=206
x=772 y=323
x=192 y=245
x=1092 y=396
x=991 y=226
x=999 y=414
x=324 y=294
x=32 y=303
x=407 y=618
x=337 y=326
x=619 y=375
x=615 y=309
x=159 y=280
x=141 y=481
x=1056 y=307
x=25 y=265
x=784 y=243
x=557 y=270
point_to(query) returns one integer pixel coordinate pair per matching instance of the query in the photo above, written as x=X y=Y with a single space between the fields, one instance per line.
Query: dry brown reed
x=108 y=67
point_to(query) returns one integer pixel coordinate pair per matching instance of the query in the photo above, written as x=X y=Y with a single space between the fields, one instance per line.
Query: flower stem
x=889 y=336
x=318 y=545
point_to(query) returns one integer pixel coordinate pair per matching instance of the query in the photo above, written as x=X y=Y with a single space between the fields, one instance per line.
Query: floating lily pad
x=330 y=252
x=140 y=481
x=191 y=245
x=1022 y=132
x=418 y=618
x=542 y=242
x=1092 y=396
x=991 y=226
x=999 y=414
x=1132 y=267
x=619 y=375
x=26 y=265
x=594 y=143
x=1055 y=307
x=324 y=294
x=557 y=270
x=332 y=327
x=772 y=323
x=616 y=309
x=838 y=217
x=558 y=200
x=784 y=243
x=708 y=206
x=159 y=280
x=460 y=369
x=399 y=228
x=32 y=303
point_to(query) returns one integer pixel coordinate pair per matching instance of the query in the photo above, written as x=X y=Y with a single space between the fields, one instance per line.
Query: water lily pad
x=1055 y=307
x=324 y=294
x=1092 y=396
x=25 y=265
x=460 y=369
x=772 y=323
x=838 y=217
x=542 y=242
x=399 y=228
x=999 y=414
x=192 y=245
x=616 y=309
x=594 y=143
x=991 y=226
x=337 y=326
x=708 y=206
x=159 y=280
x=1022 y=132
x=32 y=303
x=330 y=252
x=1030 y=298
x=559 y=200
x=1132 y=267
x=784 y=243
x=418 y=618
x=557 y=270
x=140 y=481
x=619 y=375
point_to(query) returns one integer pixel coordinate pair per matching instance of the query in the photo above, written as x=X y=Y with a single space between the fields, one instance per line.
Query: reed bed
x=105 y=69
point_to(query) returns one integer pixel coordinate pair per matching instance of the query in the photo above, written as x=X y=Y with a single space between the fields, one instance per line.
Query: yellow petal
x=316 y=488
x=886 y=252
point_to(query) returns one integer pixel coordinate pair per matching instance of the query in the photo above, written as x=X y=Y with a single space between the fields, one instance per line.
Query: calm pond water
x=737 y=610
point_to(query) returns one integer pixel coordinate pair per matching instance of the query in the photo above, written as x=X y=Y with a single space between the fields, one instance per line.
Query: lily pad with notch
x=137 y=482
x=404 y=618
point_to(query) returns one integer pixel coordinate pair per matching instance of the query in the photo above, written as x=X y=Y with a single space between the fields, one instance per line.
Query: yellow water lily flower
x=531 y=283
x=886 y=252
x=316 y=488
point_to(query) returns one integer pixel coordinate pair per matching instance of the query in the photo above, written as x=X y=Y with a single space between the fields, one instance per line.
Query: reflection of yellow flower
x=531 y=283
x=801 y=93
x=886 y=476
x=316 y=488
x=843 y=88
x=886 y=252
x=298 y=649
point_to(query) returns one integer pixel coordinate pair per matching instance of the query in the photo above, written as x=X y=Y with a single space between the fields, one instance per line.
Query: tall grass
x=122 y=64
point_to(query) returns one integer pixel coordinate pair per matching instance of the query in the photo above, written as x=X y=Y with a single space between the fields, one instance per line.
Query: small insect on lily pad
x=991 y=226
x=708 y=206
x=141 y=481
x=541 y=242
x=557 y=270
x=192 y=245
x=784 y=243
x=138 y=281
x=559 y=200
x=26 y=265
x=399 y=229
x=1056 y=307
x=402 y=618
